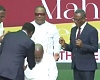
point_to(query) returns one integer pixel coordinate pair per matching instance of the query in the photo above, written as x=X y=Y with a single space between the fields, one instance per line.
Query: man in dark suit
x=14 y=48
x=83 y=44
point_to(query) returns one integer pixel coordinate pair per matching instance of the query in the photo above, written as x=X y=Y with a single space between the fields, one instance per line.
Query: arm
x=64 y=45
x=68 y=47
x=1 y=46
x=31 y=56
x=53 y=71
x=1 y=37
x=2 y=43
x=57 y=46
x=56 y=37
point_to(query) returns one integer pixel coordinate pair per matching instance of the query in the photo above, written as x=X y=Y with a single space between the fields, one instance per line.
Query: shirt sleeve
x=1 y=29
x=57 y=46
x=53 y=71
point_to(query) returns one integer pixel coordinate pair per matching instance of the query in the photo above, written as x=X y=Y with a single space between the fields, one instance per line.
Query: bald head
x=38 y=47
x=40 y=7
x=38 y=52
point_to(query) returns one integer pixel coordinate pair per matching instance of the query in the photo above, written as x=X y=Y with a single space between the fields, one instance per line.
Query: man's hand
x=56 y=56
x=62 y=42
x=79 y=43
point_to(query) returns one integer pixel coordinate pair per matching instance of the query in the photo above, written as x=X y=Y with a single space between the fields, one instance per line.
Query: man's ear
x=84 y=19
x=31 y=32
x=43 y=51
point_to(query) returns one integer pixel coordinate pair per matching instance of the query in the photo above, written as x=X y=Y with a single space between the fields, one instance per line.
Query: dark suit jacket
x=14 y=48
x=83 y=58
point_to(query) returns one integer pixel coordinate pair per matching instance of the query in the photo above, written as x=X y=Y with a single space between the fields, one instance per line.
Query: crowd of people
x=31 y=53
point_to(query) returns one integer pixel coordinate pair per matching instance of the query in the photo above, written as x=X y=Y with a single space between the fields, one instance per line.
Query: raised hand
x=79 y=43
x=62 y=42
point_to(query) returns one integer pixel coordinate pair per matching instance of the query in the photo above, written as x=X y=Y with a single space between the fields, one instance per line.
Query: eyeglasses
x=77 y=20
x=41 y=14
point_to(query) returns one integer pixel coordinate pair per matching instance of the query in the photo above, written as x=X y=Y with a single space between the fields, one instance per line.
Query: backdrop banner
x=59 y=12
x=65 y=57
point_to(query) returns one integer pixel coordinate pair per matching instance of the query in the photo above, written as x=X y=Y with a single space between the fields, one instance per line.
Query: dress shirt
x=82 y=27
x=25 y=32
x=47 y=35
x=45 y=70
x=1 y=29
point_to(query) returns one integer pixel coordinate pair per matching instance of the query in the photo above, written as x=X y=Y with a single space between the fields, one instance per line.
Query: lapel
x=84 y=32
x=82 y=36
x=73 y=36
x=74 y=32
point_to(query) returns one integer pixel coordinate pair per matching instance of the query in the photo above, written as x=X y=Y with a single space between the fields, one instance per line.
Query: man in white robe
x=45 y=68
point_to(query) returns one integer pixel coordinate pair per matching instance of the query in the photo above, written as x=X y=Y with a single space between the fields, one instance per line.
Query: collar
x=24 y=32
x=1 y=23
x=82 y=27
x=40 y=24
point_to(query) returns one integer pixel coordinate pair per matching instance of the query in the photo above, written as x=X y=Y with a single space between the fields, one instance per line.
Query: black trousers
x=3 y=78
x=83 y=75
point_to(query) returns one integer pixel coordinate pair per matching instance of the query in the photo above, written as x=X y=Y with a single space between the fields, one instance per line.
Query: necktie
x=78 y=34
